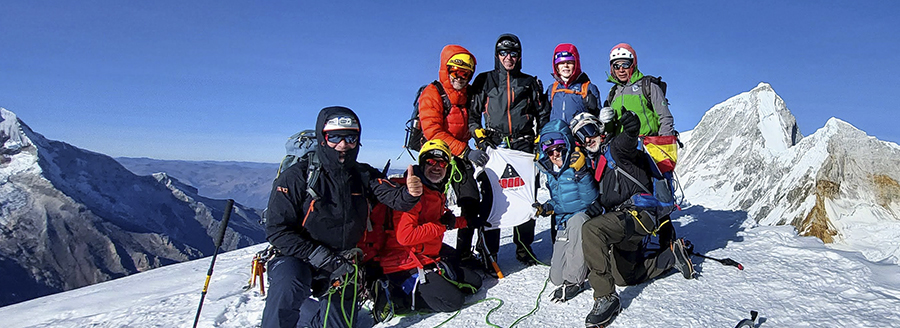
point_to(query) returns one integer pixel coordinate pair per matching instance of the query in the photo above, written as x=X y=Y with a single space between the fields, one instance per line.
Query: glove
x=477 y=157
x=594 y=210
x=545 y=209
x=324 y=259
x=449 y=220
x=483 y=139
x=606 y=115
x=631 y=124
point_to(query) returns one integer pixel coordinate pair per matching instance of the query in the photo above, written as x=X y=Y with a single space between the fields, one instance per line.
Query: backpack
x=415 y=138
x=645 y=87
x=660 y=200
x=300 y=146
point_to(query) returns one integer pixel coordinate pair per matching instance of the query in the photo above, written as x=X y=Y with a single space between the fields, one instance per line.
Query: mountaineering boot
x=604 y=311
x=683 y=258
x=525 y=255
x=566 y=291
x=383 y=307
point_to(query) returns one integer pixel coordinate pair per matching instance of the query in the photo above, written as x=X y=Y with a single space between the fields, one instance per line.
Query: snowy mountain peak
x=12 y=138
x=763 y=86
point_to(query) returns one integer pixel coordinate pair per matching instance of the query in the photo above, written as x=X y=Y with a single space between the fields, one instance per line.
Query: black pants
x=291 y=282
x=440 y=292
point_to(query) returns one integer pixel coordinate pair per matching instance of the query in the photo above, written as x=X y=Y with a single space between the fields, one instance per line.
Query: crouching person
x=612 y=239
x=316 y=215
x=572 y=189
x=422 y=272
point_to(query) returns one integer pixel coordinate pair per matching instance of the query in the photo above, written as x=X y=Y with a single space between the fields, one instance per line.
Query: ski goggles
x=624 y=65
x=436 y=162
x=350 y=138
x=511 y=53
x=459 y=73
x=551 y=143
x=563 y=56
x=561 y=149
x=587 y=131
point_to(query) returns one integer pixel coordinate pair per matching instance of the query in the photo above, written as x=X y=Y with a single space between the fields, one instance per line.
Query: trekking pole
x=228 y=205
x=725 y=261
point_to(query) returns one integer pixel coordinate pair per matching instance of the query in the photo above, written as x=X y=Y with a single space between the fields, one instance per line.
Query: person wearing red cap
x=627 y=93
x=572 y=91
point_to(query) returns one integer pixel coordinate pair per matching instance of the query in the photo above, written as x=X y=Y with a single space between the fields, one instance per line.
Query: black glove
x=594 y=210
x=324 y=259
x=477 y=157
x=631 y=124
x=449 y=220
x=545 y=209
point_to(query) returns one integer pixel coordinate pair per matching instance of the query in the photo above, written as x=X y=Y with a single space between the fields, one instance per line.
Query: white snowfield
x=792 y=281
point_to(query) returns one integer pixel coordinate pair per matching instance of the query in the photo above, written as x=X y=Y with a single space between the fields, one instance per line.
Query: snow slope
x=792 y=281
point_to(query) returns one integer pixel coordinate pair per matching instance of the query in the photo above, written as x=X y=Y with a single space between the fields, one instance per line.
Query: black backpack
x=645 y=87
x=415 y=138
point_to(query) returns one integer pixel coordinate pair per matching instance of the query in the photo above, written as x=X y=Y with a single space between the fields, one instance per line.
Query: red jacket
x=453 y=129
x=415 y=238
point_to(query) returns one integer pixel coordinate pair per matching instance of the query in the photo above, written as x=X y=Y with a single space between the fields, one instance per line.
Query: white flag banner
x=511 y=174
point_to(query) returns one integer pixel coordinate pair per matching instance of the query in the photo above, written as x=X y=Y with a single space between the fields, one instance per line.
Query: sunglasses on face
x=436 y=162
x=587 y=131
x=625 y=65
x=336 y=138
x=511 y=53
x=459 y=73
x=561 y=149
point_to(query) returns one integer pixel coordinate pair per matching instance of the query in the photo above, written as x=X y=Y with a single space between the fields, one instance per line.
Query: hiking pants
x=567 y=264
x=290 y=285
x=614 y=255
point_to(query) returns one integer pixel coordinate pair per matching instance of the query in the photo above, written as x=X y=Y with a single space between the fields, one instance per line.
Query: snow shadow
x=709 y=229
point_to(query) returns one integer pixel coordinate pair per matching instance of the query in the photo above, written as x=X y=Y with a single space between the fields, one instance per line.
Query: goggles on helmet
x=587 y=131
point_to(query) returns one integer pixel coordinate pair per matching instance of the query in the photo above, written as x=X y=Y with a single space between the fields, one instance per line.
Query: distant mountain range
x=71 y=217
x=837 y=184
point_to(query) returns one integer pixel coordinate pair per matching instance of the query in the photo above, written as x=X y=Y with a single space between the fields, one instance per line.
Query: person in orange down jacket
x=421 y=272
x=448 y=121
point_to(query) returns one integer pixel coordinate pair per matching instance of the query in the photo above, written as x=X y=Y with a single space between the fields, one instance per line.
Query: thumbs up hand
x=413 y=182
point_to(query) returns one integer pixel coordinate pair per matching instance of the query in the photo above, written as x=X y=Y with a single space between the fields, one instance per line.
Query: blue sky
x=231 y=80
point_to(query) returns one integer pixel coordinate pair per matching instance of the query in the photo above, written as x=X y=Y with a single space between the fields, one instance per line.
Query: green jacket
x=654 y=112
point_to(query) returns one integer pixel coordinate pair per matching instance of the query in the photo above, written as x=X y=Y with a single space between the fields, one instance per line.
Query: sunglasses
x=459 y=73
x=436 y=162
x=336 y=138
x=625 y=65
x=587 y=131
x=511 y=53
x=560 y=148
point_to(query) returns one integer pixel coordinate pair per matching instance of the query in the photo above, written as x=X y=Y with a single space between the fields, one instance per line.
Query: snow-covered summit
x=837 y=184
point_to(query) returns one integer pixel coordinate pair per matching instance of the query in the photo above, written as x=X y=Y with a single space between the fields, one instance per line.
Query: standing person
x=612 y=238
x=572 y=91
x=514 y=109
x=423 y=272
x=631 y=91
x=450 y=125
x=572 y=188
x=316 y=215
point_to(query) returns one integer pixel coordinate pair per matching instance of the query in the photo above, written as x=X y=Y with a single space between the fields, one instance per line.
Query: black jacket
x=615 y=188
x=513 y=103
x=296 y=223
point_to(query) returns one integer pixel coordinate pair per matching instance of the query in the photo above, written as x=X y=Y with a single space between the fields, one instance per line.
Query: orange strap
x=582 y=93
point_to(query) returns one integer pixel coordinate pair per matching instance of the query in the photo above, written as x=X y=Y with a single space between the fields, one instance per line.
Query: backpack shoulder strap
x=609 y=98
x=584 y=89
x=313 y=169
x=444 y=97
x=554 y=90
